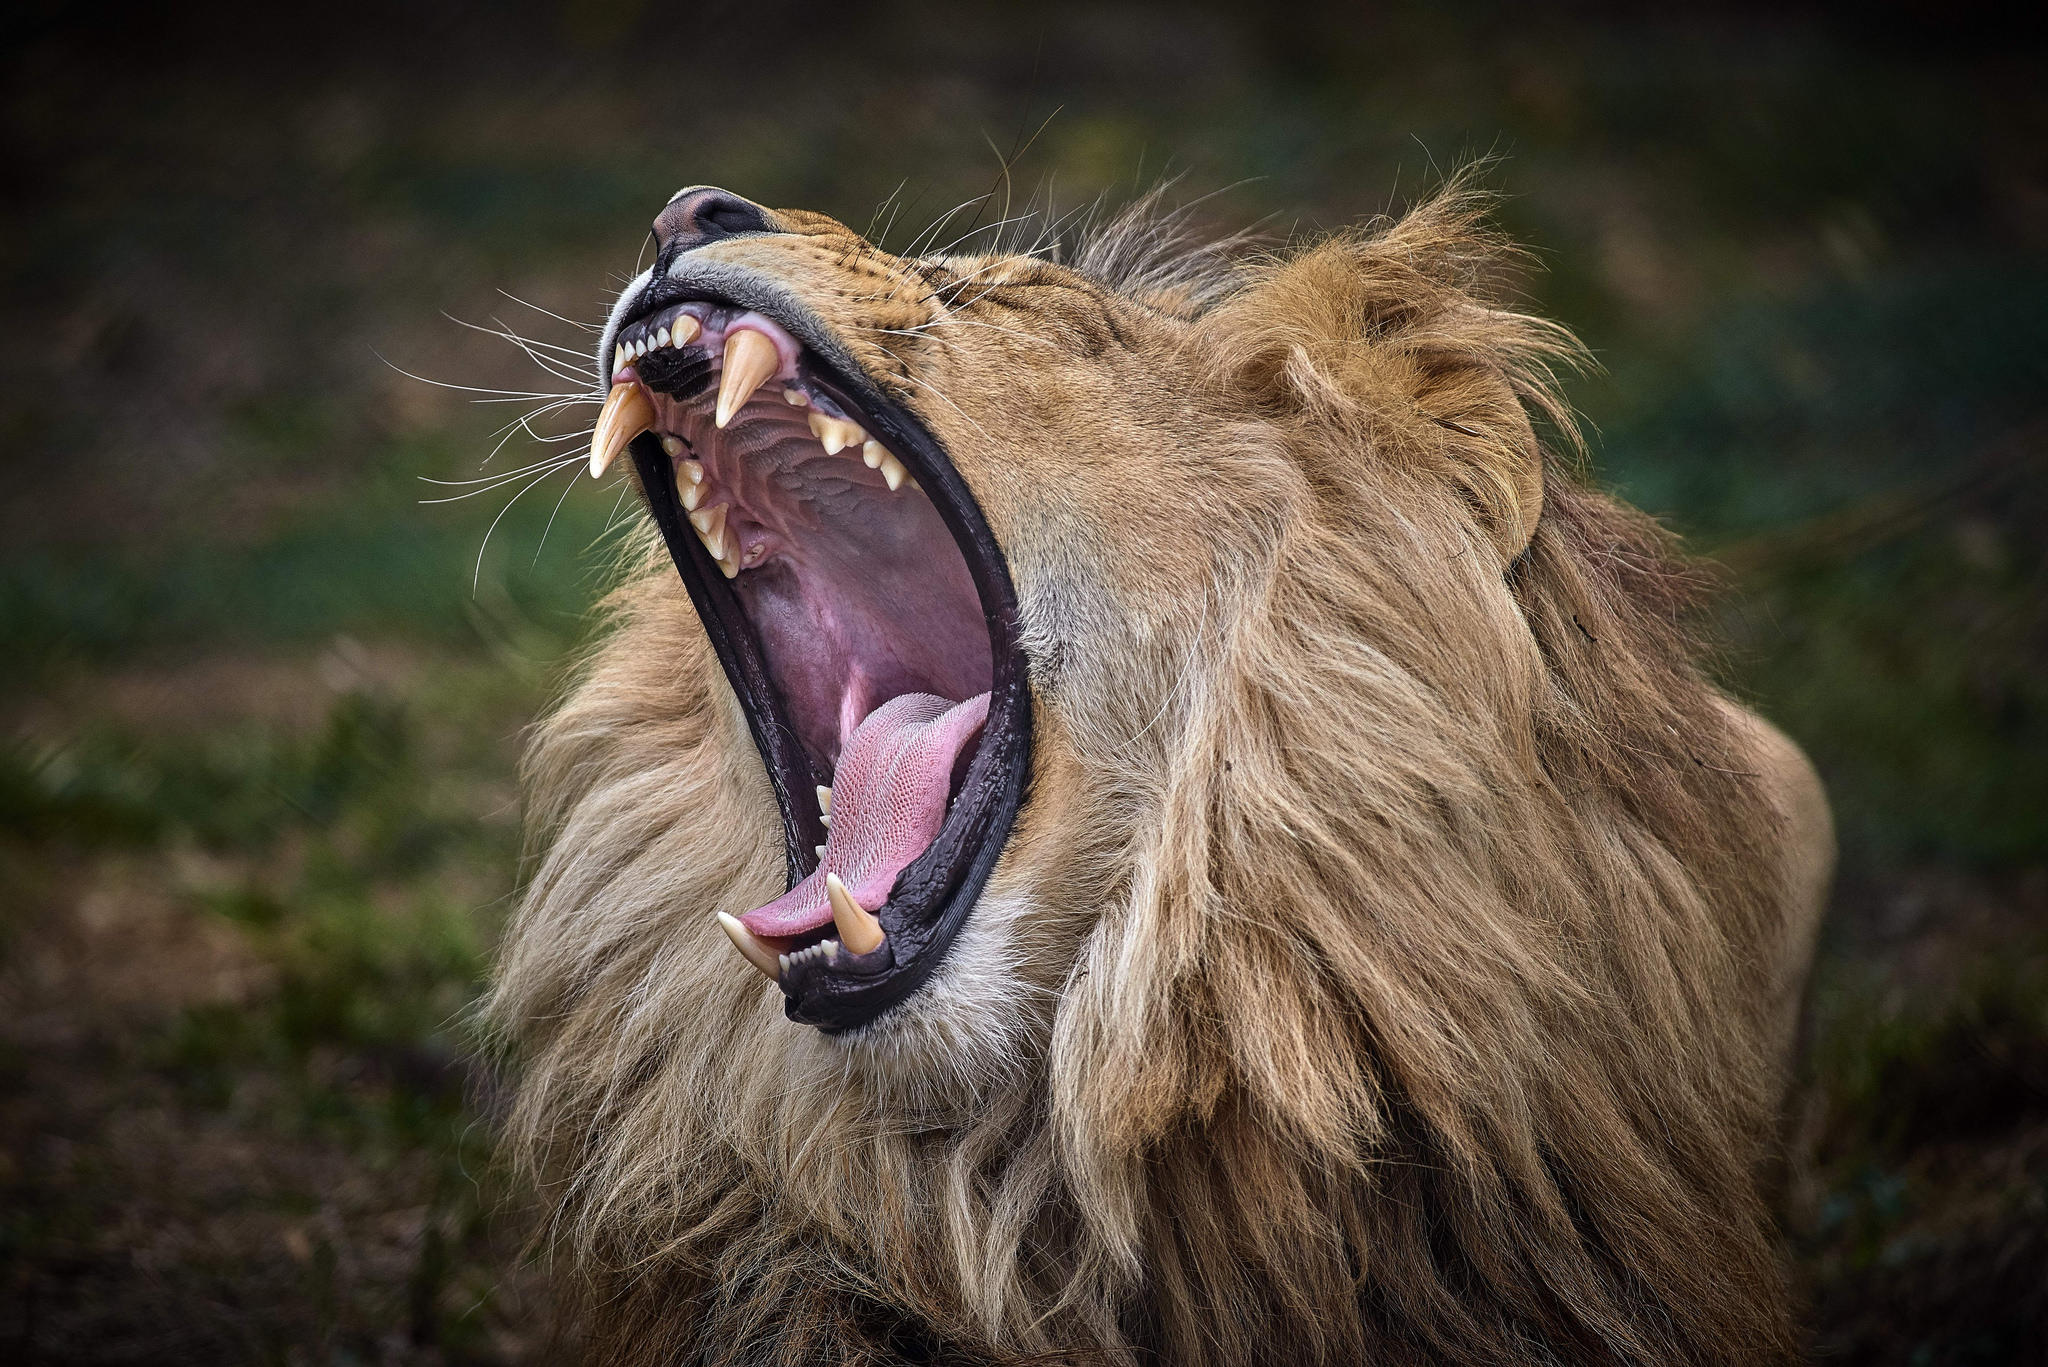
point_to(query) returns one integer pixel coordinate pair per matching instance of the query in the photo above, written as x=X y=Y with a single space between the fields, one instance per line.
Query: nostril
x=705 y=214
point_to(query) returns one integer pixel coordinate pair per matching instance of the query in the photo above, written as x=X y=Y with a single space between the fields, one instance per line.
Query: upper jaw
x=934 y=894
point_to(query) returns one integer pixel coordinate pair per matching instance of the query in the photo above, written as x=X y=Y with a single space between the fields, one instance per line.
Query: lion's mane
x=1399 y=991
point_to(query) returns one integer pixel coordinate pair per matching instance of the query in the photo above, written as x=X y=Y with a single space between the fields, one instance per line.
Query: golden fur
x=1389 y=964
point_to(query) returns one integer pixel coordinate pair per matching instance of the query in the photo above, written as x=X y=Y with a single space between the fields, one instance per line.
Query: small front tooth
x=819 y=850
x=873 y=453
x=825 y=820
x=710 y=525
x=750 y=358
x=671 y=446
x=639 y=349
x=836 y=434
x=831 y=948
x=619 y=356
x=893 y=472
x=660 y=338
x=824 y=799
x=756 y=953
x=857 y=926
x=627 y=412
x=795 y=398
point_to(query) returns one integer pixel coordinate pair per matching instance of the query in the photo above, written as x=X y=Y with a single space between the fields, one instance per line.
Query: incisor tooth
x=627 y=412
x=661 y=338
x=893 y=472
x=858 y=928
x=750 y=358
x=824 y=799
x=835 y=434
x=671 y=446
x=743 y=940
x=819 y=850
x=710 y=525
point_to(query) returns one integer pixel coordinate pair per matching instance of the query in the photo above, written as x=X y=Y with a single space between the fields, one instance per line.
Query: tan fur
x=1389 y=963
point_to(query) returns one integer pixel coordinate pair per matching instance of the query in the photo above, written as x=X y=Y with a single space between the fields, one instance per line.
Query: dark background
x=260 y=705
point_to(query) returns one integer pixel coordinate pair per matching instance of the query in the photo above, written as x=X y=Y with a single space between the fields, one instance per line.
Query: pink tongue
x=888 y=802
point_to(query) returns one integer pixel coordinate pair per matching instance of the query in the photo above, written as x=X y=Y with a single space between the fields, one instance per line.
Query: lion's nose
x=705 y=213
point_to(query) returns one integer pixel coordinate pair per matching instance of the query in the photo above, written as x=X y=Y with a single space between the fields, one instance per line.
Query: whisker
x=477 y=576
x=585 y=327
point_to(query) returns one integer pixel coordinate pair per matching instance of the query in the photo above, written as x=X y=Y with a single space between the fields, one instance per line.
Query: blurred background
x=262 y=694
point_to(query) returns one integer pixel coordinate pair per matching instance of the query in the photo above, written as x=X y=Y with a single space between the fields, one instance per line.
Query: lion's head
x=1230 y=858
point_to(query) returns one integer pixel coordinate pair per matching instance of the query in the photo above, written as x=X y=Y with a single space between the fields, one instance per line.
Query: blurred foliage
x=257 y=816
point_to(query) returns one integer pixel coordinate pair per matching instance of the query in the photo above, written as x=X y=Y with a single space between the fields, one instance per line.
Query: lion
x=1136 y=809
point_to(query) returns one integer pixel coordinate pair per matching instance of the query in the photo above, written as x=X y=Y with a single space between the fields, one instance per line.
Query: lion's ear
x=1389 y=345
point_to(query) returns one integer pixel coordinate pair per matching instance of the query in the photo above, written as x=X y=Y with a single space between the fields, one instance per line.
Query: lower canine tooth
x=710 y=525
x=743 y=940
x=858 y=929
x=750 y=358
x=627 y=412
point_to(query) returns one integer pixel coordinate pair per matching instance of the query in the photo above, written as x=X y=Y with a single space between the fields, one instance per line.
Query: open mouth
x=866 y=621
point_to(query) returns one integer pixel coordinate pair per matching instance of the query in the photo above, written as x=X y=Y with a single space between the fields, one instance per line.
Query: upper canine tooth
x=893 y=472
x=750 y=358
x=757 y=954
x=627 y=412
x=710 y=525
x=858 y=929
x=836 y=434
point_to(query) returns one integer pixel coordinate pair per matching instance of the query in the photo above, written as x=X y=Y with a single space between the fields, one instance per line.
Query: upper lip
x=933 y=895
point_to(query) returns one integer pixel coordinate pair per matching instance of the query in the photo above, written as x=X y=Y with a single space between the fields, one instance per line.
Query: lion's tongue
x=888 y=802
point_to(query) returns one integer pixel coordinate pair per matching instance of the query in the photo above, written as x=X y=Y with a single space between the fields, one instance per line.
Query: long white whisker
x=541 y=472
x=585 y=327
x=557 y=512
x=477 y=576
x=501 y=395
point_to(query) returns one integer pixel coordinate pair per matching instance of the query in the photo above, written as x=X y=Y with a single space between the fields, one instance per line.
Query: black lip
x=933 y=895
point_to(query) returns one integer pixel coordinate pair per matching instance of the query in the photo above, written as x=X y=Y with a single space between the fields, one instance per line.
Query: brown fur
x=1389 y=963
